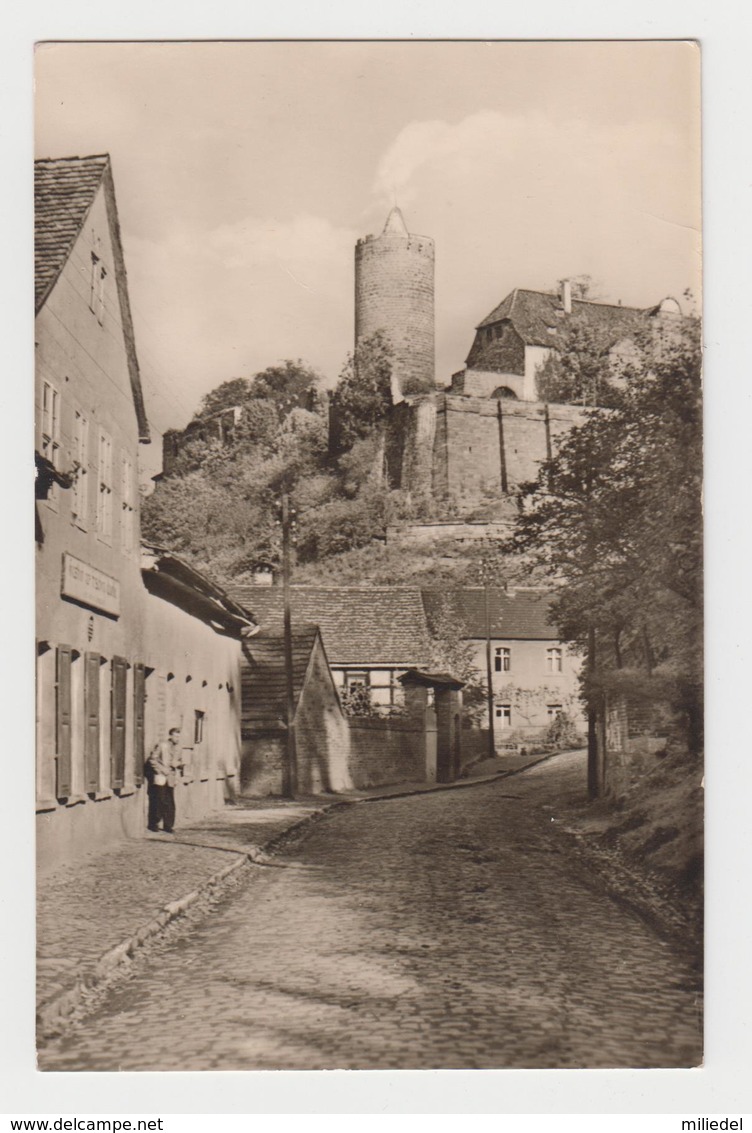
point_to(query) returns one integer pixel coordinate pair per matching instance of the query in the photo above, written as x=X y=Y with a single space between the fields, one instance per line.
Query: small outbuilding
x=322 y=736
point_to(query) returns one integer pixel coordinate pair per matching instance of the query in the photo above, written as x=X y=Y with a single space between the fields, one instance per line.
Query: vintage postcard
x=369 y=555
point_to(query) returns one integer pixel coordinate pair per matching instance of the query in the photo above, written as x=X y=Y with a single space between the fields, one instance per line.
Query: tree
x=580 y=371
x=582 y=285
x=615 y=521
x=363 y=396
x=453 y=653
x=287 y=386
x=226 y=395
x=530 y=702
x=290 y=385
x=217 y=505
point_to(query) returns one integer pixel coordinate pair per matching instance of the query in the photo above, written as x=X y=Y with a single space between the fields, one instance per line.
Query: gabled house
x=322 y=735
x=121 y=655
x=372 y=634
x=534 y=675
x=515 y=339
x=90 y=420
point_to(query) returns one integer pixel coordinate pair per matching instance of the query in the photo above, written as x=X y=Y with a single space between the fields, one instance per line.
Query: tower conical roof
x=395 y=224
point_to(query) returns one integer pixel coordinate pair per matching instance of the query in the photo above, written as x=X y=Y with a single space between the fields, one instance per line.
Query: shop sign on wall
x=90 y=586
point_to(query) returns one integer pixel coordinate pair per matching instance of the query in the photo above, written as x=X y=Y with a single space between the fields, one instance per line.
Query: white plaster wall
x=535 y=356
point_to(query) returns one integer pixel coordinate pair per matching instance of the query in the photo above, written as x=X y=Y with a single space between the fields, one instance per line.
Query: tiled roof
x=159 y=565
x=360 y=625
x=534 y=313
x=513 y=615
x=64 y=191
x=263 y=680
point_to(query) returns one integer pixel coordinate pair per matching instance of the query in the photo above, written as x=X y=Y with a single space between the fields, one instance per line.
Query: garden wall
x=386 y=751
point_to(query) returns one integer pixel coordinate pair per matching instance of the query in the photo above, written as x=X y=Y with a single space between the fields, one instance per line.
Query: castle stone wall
x=484 y=383
x=479 y=448
x=494 y=445
x=394 y=293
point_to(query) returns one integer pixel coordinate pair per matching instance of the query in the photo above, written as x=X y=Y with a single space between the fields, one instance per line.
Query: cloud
x=423 y=149
x=511 y=200
x=521 y=200
x=301 y=246
x=490 y=155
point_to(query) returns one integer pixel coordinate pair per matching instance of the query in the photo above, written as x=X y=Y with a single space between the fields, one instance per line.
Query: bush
x=562 y=732
x=339 y=526
x=356 y=701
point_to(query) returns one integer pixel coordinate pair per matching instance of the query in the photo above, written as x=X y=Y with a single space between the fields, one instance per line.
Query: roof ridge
x=343 y=586
x=75 y=157
x=606 y=303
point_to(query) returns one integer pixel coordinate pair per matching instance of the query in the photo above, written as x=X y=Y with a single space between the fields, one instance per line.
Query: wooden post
x=596 y=753
x=502 y=450
x=547 y=424
x=290 y=770
x=489 y=678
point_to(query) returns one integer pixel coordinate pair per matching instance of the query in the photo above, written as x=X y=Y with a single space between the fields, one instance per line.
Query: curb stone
x=56 y=1011
x=52 y=1015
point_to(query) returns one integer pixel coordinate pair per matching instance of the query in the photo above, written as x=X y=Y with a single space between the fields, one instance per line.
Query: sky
x=245 y=172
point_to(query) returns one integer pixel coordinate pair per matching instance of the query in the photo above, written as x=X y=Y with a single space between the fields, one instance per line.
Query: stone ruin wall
x=465 y=449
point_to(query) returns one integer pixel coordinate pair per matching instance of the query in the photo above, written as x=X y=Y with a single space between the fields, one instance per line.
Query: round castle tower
x=394 y=290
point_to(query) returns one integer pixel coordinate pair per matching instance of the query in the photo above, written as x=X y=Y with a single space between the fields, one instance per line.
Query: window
x=93 y=281
x=553 y=711
x=104 y=496
x=139 y=722
x=128 y=506
x=503 y=714
x=380 y=686
x=503 y=660
x=553 y=660
x=51 y=431
x=381 y=682
x=117 y=720
x=199 y=719
x=81 y=459
x=92 y=663
x=63 y=712
x=96 y=287
x=100 y=294
x=356 y=679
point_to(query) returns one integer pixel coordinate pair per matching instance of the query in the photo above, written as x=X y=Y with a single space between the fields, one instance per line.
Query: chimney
x=566 y=296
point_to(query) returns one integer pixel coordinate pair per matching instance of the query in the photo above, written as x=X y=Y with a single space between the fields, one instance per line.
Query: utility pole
x=489 y=678
x=290 y=770
x=596 y=750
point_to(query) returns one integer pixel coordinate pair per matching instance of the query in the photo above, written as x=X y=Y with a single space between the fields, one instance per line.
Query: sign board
x=90 y=586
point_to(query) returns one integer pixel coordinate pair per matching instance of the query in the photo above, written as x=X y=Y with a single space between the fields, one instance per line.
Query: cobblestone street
x=451 y=930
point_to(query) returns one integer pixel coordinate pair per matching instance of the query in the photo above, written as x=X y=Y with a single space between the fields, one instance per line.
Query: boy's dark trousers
x=161 y=807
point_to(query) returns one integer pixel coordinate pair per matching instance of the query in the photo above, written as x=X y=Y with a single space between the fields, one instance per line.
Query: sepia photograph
x=369 y=555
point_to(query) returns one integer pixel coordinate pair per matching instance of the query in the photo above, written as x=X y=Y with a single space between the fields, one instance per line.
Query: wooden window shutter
x=117 y=720
x=64 y=785
x=91 y=714
x=139 y=709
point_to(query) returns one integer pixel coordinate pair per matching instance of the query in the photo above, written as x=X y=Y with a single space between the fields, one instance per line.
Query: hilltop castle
x=487 y=430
